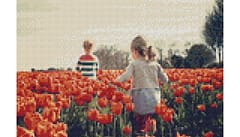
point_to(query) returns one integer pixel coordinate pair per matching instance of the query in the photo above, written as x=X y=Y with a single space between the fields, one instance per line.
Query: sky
x=50 y=32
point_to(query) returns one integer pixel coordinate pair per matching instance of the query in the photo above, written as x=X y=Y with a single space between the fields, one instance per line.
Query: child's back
x=145 y=74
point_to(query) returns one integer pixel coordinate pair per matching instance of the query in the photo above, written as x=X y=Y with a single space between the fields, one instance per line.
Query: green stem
x=162 y=128
x=170 y=130
x=125 y=116
x=102 y=130
x=108 y=131
x=94 y=128
x=114 y=126
x=179 y=113
x=158 y=124
x=87 y=122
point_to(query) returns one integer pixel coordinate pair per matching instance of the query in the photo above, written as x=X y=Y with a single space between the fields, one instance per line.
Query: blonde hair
x=87 y=44
x=140 y=45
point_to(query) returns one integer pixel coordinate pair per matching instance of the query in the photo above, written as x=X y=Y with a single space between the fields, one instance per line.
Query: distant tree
x=213 y=29
x=166 y=63
x=51 y=69
x=69 y=69
x=33 y=69
x=198 y=56
x=77 y=68
x=214 y=65
x=177 y=61
x=112 y=58
x=160 y=55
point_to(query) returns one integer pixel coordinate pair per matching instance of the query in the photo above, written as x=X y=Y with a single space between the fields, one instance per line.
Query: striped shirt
x=88 y=65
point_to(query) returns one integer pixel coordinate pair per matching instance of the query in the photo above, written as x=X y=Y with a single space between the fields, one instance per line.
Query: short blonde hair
x=87 y=44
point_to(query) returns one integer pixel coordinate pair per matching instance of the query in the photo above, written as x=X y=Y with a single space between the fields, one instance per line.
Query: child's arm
x=78 y=68
x=126 y=75
x=97 y=64
x=162 y=75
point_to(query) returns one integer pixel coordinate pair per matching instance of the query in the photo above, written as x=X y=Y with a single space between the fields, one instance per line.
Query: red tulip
x=82 y=98
x=167 y=117
x=25 y=104
x=43 y=100
x=61 y=134
x=183 y=135
x=129 y=107
x=160 y=109
x=51 y=113
x=208 y=134
x=92 y=114
x=191 y=90
x=205 y=88
x=174 y=86
x=183 y=81
x=109 y=94
x=102 y=102
x=178 y=100
x=213 y=105
x=219 y=96
x=219 y=76
x=54 y=87
x=126 y=99
x=179 y=91
x=201 y=107
x=21 y=92
x=42 y=129
x=87 y=97
x=22 y=132
x=65 y=101
x=193 y=82
x=178 y=135
x=47 y=129
x=126 y=86
x=104 y=118
x=126 y=130
x=206 y=79
x=79 y=102
x=116 y=108
x=31 y=120
x=117 y=96
x=61 y=126
x=90 y=89
x=217 y=84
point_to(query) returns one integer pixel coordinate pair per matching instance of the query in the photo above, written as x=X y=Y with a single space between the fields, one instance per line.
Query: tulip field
x=66 y=104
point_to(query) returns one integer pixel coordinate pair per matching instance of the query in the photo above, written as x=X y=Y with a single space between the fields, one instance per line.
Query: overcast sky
x=50 y=32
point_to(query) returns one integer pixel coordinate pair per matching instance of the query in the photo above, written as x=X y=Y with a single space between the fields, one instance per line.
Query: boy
x=88 y=63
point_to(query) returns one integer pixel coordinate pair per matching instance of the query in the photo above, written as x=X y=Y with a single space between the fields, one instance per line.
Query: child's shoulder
x=88 y=57
x=133 y=62
x=95 y=57
x=155 y=64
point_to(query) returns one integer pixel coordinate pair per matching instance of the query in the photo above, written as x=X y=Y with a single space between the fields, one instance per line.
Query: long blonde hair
x=140 y=45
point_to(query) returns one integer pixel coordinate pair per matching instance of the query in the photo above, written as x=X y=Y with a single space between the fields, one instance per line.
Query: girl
x=145 y=92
